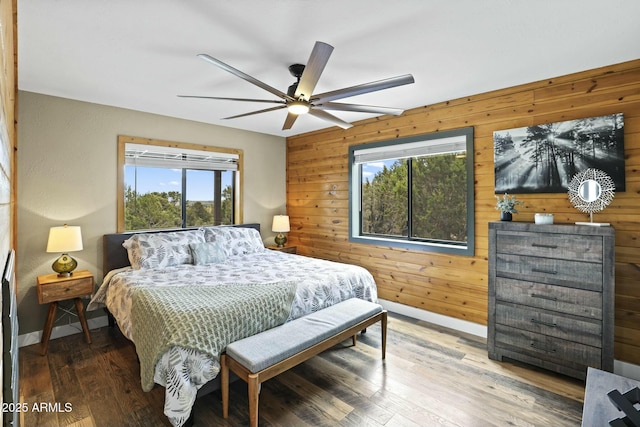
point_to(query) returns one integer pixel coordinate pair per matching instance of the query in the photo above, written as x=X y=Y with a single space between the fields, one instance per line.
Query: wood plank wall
x=8 y=63
x=456 y=286
x=7 y=126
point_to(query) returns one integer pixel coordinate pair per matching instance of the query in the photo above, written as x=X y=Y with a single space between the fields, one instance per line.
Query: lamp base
x=64 y=265
x=280 y=240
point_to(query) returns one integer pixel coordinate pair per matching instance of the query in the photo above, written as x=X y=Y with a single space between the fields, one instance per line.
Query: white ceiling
x=140 y=54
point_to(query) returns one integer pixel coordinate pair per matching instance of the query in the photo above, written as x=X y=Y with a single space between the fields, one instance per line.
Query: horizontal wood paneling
x=318 y=191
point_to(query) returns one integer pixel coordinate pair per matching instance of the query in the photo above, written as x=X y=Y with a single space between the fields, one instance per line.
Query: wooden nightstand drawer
x=52 y=288
x=286 y=249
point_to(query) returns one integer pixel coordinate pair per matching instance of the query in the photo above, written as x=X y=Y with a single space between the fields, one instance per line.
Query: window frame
x=123 y=140
x=355 y=197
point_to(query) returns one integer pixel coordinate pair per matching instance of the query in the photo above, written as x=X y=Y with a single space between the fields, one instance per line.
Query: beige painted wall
x=67 y=174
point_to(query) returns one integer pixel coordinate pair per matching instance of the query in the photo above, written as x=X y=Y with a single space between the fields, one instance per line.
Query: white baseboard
x=626 y=369
x=435 y=318
x=62 y=331
x=621 y=368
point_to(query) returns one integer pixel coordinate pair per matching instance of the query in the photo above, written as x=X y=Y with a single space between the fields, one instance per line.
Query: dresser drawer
x=547 y=348
x=581 y=275
x=562 y=299
x=572 y=328
x=64 y=290
x=550 y=245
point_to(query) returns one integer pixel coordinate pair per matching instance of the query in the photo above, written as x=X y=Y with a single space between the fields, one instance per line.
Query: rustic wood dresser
x=551 y=295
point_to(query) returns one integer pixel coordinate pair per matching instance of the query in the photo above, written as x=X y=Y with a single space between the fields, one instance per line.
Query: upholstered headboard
x=114 y=255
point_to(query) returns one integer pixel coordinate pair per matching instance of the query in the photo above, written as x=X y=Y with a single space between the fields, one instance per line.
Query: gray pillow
x=160 y=250
x=207 y=253
x=235 y=240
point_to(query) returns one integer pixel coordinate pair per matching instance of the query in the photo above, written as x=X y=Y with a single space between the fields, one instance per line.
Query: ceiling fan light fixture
x=298 y=107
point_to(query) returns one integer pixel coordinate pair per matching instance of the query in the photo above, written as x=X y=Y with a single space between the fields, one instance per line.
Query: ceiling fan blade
x=289 y=121
x=321 y=114
x=233 y=99
x=244 y=76
x=312 y=71
x=279 y=107
x=362 y=88
x=358 y=108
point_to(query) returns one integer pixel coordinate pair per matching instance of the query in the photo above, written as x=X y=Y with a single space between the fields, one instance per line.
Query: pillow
x=207 y=253
x=235 y=240
x=159 y=250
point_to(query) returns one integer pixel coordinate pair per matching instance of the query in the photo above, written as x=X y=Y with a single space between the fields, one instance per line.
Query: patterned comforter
x=182 y=371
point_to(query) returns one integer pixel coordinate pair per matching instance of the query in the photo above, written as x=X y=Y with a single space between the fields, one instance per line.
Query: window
x=167 y=184
x=414 y=192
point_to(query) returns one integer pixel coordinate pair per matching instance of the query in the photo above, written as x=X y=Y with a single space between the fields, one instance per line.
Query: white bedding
x=182 y=372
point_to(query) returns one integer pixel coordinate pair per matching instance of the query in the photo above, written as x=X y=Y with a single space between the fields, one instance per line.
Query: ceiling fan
x=300 y=99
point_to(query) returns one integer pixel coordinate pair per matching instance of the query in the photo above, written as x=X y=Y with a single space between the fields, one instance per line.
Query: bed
x=182 y=295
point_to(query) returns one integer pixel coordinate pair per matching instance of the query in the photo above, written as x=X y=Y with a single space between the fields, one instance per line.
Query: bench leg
x=224 y=385
x=354 y=340
x=383 y=327
x=254 y=394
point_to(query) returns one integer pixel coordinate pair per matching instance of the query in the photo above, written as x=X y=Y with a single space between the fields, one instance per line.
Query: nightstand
x=287 y=249
x=53 y=289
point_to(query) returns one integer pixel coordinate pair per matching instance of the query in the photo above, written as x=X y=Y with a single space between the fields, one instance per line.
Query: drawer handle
x=533 y=345
x=539 y=322
x=541 y=270
x=542 y=245
x=544 y=297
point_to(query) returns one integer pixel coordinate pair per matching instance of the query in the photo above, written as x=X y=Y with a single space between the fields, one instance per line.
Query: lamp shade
x=64 y=239
x=280 y=224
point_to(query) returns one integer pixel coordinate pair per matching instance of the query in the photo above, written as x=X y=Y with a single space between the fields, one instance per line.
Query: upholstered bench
x=263 y=356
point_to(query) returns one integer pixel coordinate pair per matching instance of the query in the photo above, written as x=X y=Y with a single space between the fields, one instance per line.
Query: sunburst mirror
x=591 y=191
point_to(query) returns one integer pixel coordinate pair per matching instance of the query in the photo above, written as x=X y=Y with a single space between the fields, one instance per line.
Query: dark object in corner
x=10 y=359
x=625 y=403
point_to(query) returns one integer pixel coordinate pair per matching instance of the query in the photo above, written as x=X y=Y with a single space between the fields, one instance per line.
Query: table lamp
x=280 y=225
x=64 y=239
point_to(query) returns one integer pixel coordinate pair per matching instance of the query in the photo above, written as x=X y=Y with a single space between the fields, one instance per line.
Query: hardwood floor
x=432 y=377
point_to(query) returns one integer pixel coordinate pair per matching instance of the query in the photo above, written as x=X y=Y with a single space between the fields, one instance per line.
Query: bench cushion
x=267 y=348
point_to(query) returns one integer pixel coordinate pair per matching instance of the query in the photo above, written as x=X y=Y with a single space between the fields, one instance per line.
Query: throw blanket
x=203 y=318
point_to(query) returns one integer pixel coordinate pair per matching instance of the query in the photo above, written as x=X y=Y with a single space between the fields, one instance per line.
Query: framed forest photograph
x=543 y=158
